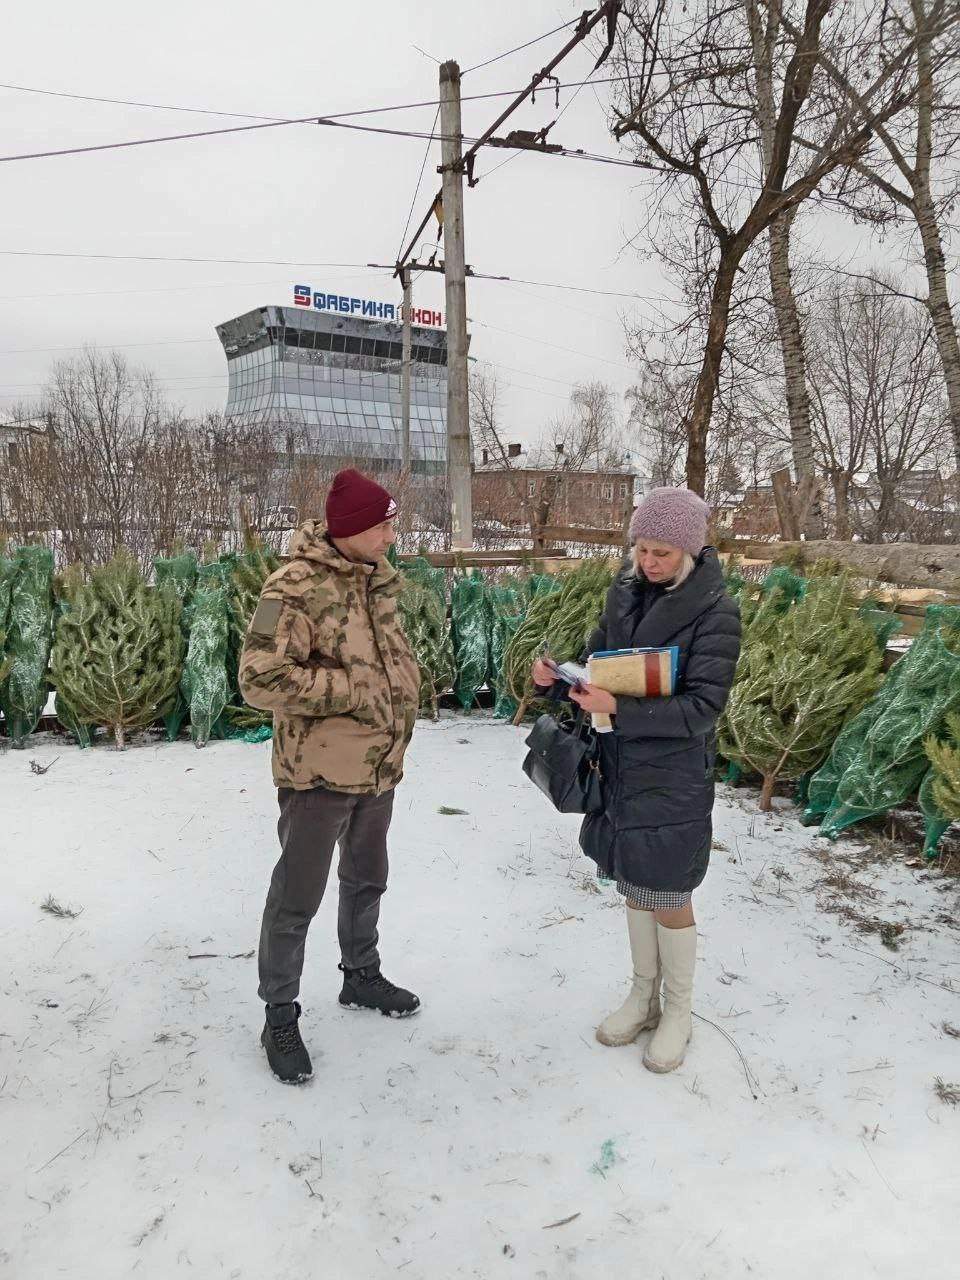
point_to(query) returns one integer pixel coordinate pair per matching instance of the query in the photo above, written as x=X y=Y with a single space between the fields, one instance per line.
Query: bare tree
x=879 y=408
x=690 y=106
x=910 y=168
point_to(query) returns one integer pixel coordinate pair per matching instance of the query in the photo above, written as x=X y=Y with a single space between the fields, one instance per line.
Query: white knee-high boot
x=678 y=957
x=641 y=1009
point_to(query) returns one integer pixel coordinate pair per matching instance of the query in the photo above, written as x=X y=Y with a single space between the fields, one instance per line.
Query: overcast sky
x=301 y=194
x=298 y=193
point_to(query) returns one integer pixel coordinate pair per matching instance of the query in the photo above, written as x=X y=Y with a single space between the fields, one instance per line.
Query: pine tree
x=801 y=675
x=939 y=795
x=66 y=588
x=249 y=572
x=205 y=686
x=7 y=568
x=23 y=693
x=888 y=764
x=118 y=653
x=425 y=624
x=178 y=573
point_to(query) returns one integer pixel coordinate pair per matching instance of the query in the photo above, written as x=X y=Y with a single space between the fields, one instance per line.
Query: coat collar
x=671 y=611
x=311 y=542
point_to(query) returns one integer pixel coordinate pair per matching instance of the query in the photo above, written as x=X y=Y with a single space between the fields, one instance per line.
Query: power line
x=143 y=257
x=248 y=115
x=112 y=346
x=540 y=342
x=536 y=40
x=426 y=156
x=179 y=288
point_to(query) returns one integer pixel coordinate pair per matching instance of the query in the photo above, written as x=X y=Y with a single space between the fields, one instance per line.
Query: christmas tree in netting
x=205 y=684
x=471 y=636
x=939 y=794
x=249 y=572
x=423 y=614
x=890 y=762
x=118 y=653
x=507 y=604
x=66 y=588
x=7 y=568
x=178 y=573
x=23 y=692
x=801 y=674
x=561 y=616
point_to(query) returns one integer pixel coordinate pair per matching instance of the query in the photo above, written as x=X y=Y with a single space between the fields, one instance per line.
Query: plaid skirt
x=653 y=899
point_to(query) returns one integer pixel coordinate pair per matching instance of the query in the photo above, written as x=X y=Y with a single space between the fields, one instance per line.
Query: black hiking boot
x=286 y=1052
x=369 y=989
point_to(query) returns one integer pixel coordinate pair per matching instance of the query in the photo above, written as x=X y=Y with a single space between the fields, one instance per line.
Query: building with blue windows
x=325 y=373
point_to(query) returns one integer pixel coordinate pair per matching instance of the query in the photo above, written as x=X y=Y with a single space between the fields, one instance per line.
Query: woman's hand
x=590 y=698
x=543 y=677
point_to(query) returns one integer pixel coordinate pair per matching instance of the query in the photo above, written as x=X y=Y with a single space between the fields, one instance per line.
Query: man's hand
x=590 y=698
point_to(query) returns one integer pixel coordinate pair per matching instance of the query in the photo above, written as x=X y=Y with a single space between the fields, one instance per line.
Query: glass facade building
x=330 y=385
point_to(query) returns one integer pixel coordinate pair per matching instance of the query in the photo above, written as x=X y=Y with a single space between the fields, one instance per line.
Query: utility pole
x=459 y=451
x=405 y=377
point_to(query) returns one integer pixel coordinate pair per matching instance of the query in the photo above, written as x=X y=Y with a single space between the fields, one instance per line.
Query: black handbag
x=564 y=762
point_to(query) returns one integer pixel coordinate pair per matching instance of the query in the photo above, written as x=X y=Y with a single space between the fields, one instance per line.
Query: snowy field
x=490 y=1136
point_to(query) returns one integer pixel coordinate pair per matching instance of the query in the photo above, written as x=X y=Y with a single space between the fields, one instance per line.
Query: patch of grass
x=452 y=813
x=949 y=1093
x=53 y=908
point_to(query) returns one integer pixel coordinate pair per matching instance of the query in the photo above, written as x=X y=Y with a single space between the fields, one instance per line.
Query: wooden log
x=598 y=537
x=907 y=564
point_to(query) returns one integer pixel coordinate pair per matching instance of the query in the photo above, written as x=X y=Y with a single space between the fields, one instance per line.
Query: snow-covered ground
x=491 y=1136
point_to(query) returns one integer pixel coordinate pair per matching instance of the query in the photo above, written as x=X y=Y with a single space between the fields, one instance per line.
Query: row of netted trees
x=124 y=650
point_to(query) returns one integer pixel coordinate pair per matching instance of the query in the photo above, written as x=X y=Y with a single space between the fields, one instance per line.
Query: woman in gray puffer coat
x=653 y=835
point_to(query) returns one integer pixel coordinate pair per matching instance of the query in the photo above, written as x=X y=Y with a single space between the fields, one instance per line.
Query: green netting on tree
x=560 y=618
x=23 y=693
x=249 y=572
x=421 y=570
x=507 y=604
x=885 y=623
x=779 y=590
x=542 y=584
x=471 y=644
x=7 y=569
x=118 y=653
x=423 y=614
x=890 y=763
x=65 y=588
x=205 y=684
x=178 y=574
x=935 y=820
x=801 y=674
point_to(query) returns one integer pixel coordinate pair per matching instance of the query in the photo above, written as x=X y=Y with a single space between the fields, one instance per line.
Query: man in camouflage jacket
x=326 y=653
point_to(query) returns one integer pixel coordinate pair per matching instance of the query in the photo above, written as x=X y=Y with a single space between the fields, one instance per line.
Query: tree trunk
x=841 y=501
x=766 y=792
x=938 y=299
x=794 y=372
x=698 y=419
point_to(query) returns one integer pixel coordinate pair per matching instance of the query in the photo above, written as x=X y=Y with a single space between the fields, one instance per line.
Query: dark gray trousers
x=311 y=824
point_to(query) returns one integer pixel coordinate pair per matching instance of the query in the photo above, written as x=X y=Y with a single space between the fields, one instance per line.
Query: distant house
x=755 y=515
x=523 y=491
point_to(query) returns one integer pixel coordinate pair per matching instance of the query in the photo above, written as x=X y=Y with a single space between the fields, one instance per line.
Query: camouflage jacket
x=326 y=653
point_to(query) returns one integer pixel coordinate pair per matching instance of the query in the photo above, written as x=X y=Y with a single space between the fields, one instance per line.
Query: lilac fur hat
x=677 y=517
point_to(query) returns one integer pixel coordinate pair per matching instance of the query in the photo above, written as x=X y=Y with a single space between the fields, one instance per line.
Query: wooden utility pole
x=459 y=451
x=405 y=377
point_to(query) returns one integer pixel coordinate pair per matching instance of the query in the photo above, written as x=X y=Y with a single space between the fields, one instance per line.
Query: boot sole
x=662 y=1068
x=370 y=1008
x=619 y=1042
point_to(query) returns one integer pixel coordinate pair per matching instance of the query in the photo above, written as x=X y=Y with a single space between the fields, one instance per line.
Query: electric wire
x=536 y=40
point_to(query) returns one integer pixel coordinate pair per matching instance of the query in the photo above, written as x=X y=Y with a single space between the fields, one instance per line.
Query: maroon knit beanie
x=355 y=504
